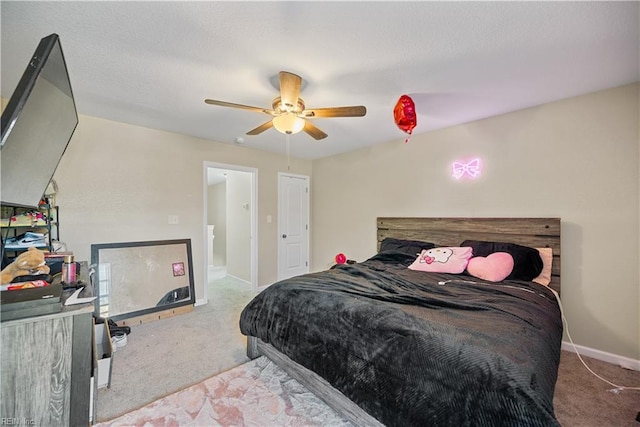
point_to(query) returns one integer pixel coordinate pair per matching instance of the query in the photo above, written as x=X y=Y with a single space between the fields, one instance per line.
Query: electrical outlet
x=174 y=219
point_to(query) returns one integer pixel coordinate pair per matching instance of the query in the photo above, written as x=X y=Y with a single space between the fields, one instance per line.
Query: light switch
x=174 y=219
x=269 y=219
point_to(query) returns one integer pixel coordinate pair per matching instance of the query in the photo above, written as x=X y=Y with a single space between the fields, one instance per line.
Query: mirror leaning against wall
x=138 y=278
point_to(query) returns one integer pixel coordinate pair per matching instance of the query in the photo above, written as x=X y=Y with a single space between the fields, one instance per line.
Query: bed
x=385 y=344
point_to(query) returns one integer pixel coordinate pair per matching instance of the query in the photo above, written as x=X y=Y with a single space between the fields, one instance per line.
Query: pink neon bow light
x=471 y=168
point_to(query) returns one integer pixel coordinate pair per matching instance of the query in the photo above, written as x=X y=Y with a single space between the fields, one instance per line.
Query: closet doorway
x=230 y=227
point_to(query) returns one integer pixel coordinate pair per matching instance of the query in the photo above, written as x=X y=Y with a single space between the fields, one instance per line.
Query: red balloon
x=341 y=258
x=404 y=114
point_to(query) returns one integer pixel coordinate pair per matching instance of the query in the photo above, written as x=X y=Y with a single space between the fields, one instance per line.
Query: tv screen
x=37 y=124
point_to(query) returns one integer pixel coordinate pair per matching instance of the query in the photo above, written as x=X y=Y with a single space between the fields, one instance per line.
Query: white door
x=293 y=225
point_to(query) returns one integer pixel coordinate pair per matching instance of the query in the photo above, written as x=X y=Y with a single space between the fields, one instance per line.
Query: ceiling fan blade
x=312 y=130
x=261 y=128
x=289 y=90
x=231 y=104
x=354 y=111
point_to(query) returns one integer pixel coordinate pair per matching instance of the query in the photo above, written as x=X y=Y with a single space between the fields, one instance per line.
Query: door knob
x=284 y=236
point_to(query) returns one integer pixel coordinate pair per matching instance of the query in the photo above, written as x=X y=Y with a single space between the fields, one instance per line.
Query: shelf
x=17 y=221
x=4 y=223
x=24 y=248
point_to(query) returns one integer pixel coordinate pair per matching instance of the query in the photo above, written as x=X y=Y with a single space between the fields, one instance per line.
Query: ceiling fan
x=289 y=113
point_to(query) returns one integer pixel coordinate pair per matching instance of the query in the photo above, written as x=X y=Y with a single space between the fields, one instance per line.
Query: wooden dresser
x=46 y=366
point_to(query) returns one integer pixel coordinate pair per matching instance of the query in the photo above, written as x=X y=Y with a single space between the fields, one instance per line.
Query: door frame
x=254 y=219
x=308 y=219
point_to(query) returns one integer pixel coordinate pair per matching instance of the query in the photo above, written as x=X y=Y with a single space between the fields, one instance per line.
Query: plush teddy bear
x=30 y=262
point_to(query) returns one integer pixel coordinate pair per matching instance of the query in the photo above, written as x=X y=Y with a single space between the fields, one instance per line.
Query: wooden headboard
x=532 y=232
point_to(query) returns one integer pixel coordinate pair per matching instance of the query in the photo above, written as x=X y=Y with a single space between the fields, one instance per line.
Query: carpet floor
x=167 y=355
x=254 y=394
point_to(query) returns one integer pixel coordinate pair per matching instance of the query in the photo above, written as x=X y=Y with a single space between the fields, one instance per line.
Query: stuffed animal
x=27 y=263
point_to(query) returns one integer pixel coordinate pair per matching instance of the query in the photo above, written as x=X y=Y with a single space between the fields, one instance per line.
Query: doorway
x=293 y=225
x=230 y=223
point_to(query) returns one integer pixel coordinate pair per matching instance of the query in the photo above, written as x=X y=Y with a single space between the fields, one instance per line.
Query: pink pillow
x=443 y=260
x=494 y=268
x=547 y=259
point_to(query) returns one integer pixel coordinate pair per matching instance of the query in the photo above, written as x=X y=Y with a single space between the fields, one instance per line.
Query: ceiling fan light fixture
x=289 y=114
x=288 y=123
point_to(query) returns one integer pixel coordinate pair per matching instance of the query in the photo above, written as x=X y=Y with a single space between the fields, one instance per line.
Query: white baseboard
x=625 y=362
x=237 y=278
x=200 y=301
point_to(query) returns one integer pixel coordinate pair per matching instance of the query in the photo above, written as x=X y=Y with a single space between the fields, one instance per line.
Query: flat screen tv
x=37 y=124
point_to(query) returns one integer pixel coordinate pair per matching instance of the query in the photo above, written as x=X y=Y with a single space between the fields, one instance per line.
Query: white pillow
x=547 y=259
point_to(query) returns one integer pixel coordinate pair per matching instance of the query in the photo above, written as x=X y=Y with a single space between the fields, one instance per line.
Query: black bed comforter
x=411 y=351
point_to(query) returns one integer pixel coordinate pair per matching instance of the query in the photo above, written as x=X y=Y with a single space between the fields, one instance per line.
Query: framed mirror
x=137 y=278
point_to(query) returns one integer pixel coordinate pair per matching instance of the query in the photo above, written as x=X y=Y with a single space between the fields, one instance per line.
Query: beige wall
x=239 y=225
x=577 y=159
x=119 y=182
x=217 y=215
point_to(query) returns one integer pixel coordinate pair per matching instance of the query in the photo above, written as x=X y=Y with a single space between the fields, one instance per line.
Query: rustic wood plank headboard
x=532 y=232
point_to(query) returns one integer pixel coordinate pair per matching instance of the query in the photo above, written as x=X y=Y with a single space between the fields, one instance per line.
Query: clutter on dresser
x=37 y=283
x=28 y=263
x=28 y=299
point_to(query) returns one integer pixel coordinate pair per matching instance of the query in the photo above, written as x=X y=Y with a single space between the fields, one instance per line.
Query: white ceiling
x=153 y=63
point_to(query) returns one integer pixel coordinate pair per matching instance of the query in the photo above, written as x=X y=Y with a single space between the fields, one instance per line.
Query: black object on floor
x=114 y=329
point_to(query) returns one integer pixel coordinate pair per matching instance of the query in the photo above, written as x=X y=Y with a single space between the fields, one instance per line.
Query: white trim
x=615 y=359
x=254 y=220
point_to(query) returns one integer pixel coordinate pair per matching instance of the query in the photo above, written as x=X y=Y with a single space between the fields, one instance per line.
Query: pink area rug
x=257 y=393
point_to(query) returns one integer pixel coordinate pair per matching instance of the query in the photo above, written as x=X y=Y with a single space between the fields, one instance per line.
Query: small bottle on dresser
x=69 y=270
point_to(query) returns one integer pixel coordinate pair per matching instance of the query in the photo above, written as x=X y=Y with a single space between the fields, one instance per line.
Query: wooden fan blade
x=312 y=130
x=289 y=89
x=354 y=111
x=232 y=105
x=261 y=128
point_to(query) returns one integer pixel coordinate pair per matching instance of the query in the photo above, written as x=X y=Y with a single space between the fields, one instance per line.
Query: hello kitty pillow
x=443 y=260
